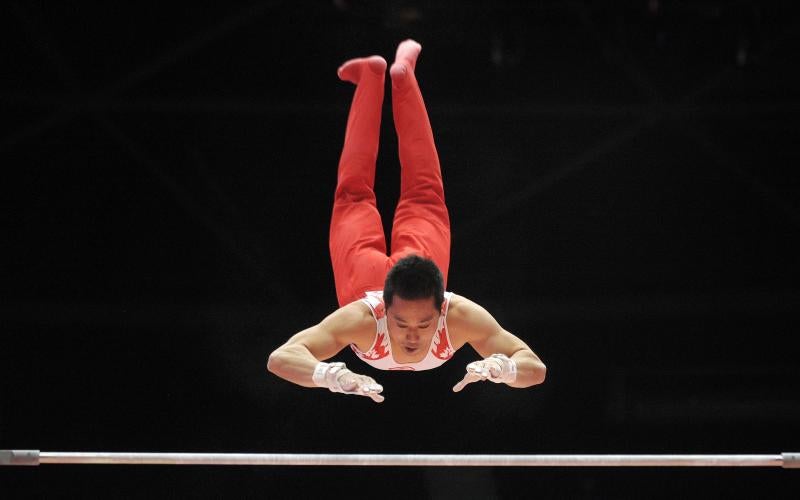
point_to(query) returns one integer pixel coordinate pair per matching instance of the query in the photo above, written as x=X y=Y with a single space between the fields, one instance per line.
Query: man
x=412 y=324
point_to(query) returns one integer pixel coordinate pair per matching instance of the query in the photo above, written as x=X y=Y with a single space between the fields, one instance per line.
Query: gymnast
x=394 y=311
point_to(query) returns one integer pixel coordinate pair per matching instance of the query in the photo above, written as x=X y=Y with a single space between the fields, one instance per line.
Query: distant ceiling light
x=497 y=54
x=741 y=53
x=409 y=14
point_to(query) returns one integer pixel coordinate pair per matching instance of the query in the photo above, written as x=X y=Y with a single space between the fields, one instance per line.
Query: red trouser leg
x=421 y=222
x=357 y=242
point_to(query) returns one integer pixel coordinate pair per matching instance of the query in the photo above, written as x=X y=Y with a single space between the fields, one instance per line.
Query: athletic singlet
x=380 y=354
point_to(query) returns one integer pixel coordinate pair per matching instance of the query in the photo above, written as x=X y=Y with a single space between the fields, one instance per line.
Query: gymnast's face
x=412 y=324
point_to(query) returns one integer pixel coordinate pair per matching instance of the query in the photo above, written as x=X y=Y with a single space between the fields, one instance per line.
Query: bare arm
x=296 y=359
x=487 y=337
x=299 y=360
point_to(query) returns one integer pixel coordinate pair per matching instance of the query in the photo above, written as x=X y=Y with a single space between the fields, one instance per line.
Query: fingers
x=469 y=378
x=479 y=369
x=362 y=385
x=376 y=397
x=372 y=390
x=460 y=385
x=340 y=379
x=476 y=371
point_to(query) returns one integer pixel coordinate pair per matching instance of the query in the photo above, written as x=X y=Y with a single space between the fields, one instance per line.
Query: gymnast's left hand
x=497 y=368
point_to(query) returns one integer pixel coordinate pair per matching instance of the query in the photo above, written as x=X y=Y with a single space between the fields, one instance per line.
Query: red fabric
x=421 y=222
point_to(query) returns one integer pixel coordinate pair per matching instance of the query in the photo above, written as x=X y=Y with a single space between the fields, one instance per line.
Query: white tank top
x=379 y=354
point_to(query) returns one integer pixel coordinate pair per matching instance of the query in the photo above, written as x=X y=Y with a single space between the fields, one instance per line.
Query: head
x=413 y=294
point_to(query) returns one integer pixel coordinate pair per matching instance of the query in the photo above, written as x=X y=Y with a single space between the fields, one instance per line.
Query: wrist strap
x=508 y=369
x=325 y=375
x=319 y=374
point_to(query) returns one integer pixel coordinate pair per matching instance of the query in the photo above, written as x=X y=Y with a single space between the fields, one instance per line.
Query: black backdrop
x=623 y=190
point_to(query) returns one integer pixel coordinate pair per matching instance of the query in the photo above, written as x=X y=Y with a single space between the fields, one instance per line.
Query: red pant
x=421 y=222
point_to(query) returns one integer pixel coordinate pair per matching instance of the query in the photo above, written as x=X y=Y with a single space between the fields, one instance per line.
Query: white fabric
x=379 y=354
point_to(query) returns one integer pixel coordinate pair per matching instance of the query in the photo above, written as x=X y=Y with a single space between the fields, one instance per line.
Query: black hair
x=414 y=277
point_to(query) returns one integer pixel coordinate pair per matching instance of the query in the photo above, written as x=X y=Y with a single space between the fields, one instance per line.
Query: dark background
x=622 y=181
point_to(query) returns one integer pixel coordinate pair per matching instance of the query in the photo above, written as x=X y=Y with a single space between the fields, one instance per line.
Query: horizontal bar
x=19 y=457
x=34 y=457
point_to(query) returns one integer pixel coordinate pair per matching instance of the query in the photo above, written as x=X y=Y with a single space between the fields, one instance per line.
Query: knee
x=353 y=189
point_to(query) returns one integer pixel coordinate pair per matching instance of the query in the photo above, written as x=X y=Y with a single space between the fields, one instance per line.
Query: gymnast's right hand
x=337 y=378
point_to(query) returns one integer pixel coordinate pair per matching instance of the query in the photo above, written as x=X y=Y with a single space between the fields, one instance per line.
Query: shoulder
x=468 y=320
x=351 y=323
x=352 y=316
x=463 y=308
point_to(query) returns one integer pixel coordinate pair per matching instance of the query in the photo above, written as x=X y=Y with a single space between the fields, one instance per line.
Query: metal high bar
x=36 y=457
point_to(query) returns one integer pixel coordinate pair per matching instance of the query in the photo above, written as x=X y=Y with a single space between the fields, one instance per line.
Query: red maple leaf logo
x=441 y=347
x=379 y=351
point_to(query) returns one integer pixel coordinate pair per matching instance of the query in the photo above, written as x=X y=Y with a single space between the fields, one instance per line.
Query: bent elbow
x=543 y=373
x=540 y=373
x=274 y=362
